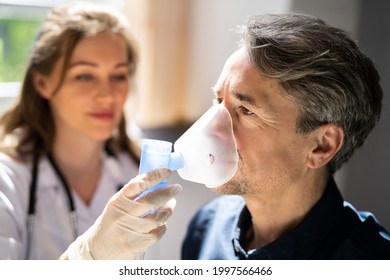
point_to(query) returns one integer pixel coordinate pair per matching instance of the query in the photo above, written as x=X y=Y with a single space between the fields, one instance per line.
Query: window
x=16 y=37
x=18 y=25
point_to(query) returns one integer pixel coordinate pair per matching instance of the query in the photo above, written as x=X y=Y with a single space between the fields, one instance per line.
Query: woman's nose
x=105 y=91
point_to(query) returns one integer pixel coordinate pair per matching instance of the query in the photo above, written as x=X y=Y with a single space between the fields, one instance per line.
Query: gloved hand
x=125 y=229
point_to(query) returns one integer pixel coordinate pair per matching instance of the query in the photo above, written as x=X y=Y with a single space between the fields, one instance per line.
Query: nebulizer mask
x=206 y=153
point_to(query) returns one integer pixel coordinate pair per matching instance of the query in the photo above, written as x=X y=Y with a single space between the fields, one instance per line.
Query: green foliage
x=16 y=38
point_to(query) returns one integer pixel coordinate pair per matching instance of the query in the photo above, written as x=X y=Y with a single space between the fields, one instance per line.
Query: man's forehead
x=234 y=64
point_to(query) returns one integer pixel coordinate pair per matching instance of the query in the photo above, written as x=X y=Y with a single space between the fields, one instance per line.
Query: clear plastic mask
x=208 y=148
x=206 y=153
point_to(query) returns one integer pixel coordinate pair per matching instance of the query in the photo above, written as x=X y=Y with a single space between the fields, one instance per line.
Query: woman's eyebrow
x=88 y=63
x=82 y=62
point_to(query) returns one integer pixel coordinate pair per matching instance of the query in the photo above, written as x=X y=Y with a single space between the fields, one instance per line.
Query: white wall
x=8 y=94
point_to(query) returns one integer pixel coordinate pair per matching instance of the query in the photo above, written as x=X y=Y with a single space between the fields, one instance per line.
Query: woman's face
x=91 y=99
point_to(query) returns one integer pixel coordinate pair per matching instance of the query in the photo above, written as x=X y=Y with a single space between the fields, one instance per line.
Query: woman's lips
x=102 y=115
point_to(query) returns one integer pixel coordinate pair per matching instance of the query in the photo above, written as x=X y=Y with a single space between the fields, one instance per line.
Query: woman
x=65 y=150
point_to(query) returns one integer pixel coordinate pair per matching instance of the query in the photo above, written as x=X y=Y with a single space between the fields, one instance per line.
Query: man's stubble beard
x=238 y=185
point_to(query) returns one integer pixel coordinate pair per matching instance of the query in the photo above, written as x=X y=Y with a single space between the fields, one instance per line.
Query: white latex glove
x=122 y=231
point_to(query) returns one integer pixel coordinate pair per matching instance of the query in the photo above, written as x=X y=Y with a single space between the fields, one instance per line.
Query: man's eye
x=217 y=101
x=245 y=111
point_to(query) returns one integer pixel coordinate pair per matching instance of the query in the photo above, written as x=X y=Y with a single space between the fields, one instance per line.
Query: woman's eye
x=84 y=77
x=245 y=111
x=120 y=77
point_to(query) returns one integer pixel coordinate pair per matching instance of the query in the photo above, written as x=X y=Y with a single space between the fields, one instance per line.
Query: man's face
x=272 y=154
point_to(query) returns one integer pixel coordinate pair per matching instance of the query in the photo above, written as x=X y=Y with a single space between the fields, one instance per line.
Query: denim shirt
x=332 y=229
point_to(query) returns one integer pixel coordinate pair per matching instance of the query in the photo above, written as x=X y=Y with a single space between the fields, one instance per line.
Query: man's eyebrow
x=246 y=99
x=239 y=96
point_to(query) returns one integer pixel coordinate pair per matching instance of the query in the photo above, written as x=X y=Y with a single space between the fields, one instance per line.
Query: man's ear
x=41 y=84
x=328 y=141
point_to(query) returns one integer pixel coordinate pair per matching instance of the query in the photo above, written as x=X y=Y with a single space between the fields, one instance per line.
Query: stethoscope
x=67 y=189
x=32 y=201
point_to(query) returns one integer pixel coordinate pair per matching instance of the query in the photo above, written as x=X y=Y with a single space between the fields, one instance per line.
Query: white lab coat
x=53 y=230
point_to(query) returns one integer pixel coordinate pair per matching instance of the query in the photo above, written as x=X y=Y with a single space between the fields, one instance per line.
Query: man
x=302 y=98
